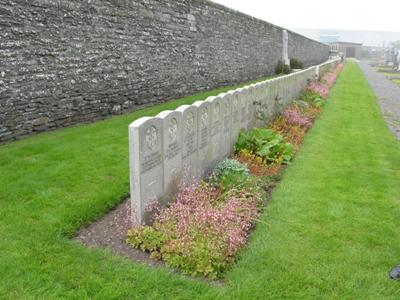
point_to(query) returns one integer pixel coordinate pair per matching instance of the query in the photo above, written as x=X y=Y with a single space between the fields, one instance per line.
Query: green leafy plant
x=312 y=98
x=265 y=143
x=229 y=173
x=296 y=63
x=281 y=68
x=203 y=229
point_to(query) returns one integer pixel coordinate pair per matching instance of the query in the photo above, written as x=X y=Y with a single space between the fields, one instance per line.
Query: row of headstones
x=324 y=67
x=189 y=141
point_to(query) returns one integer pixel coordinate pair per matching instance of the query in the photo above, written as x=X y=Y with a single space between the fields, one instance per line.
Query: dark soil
x=111 y=232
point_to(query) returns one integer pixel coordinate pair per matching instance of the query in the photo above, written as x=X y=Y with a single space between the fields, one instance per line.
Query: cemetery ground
x=330 y=231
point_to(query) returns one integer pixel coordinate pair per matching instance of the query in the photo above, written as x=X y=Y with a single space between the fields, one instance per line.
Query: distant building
x=329 y=38
x=374 y=53
x=348 y=49
x=367 y=38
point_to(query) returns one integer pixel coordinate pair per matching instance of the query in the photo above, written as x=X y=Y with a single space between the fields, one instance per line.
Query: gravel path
x=388 y=95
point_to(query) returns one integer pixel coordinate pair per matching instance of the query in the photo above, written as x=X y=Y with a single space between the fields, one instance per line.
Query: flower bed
x=208 y=223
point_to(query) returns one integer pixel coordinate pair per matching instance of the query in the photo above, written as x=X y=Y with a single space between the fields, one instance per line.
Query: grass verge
x=331 y=230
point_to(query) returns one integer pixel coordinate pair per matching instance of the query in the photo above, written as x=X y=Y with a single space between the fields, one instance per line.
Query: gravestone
x=285 y=89
x=204 y=159
x=216 y=121
x=274 y=94
x=189 y=142
x=172 y=150
x=235 y=117
x=291 y=87
x=285 y=47
x=227 y=121
x=242 y=104
x=249 y=108
x=268 y=103
x=146 y=164
x=261 y=97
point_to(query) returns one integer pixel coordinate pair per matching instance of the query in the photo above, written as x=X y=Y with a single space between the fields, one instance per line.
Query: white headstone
x=235 y=117
x=146 y=164
x=216 y=131
x=241 y=97
x=204 y=160
x=227 y=124
x=268 y=103
x=249 y=108
x=172 y=137
x=189 y=142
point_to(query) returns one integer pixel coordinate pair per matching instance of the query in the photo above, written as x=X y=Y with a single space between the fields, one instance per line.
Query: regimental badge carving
x=235 y=104
x=226 y=108
x=190 y=122
x=173 y=129
x=217 y=109
x=151 y=137
x=204 y=118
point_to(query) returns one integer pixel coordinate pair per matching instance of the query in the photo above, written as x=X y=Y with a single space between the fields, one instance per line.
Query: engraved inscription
x=204 y=138
x=172 y=150
x=216 y=128
x=190 y=144
x=151 y=161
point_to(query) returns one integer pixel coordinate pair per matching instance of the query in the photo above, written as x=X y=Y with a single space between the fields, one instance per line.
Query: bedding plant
x=209 y=221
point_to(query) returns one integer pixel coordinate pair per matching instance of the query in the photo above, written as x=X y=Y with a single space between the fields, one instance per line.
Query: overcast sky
x=379 y=15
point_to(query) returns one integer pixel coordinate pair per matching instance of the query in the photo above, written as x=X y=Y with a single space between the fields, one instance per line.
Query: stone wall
x=64 y=62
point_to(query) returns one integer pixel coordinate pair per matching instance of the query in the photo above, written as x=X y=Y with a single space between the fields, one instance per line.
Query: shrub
x=312 y=98
x=281 y=68
x=312 y=112
x=202 y=231
x=319 y=88
x=296 y=63
x=254 y=163
x=229 y=173
x=292 y=133
x=294 y=115
x=266 y=144
x=273 y=170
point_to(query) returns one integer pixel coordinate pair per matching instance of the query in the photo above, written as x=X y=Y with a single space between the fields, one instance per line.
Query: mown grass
x=331 y=230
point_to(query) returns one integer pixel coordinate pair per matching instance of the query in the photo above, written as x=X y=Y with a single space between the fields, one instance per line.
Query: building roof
x=348 y=43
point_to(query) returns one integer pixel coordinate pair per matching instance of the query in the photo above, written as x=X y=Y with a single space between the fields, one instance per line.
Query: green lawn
x=331 y=230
